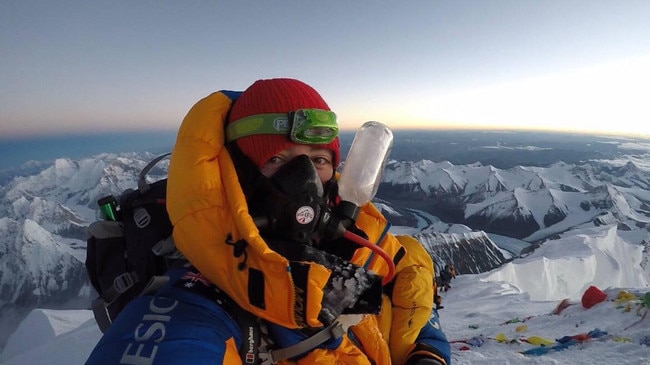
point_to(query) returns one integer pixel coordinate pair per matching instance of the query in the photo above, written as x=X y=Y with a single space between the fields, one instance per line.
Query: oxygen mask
x=292 y=206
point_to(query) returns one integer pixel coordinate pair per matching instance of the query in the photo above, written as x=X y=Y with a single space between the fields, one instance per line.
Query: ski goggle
x=304 y=126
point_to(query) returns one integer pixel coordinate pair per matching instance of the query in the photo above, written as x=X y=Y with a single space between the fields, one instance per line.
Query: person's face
x=320 y=157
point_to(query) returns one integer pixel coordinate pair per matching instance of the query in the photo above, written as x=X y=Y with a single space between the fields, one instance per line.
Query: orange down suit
x=208 y=210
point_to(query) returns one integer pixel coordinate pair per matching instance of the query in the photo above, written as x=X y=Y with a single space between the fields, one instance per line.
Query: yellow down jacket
x=214 y=231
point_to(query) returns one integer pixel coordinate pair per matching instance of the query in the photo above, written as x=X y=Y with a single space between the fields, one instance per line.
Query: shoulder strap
x=333 y=331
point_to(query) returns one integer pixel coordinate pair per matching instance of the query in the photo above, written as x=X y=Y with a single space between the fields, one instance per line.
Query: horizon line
x=81 y=133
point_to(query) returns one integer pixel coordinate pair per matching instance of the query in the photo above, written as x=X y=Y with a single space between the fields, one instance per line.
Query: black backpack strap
x=167 y=248
x=100 y=311
x=121 y=284
x=100 y=305
x=155 y=283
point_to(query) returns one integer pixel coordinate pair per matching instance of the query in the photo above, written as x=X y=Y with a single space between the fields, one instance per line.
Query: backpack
x=130 y=249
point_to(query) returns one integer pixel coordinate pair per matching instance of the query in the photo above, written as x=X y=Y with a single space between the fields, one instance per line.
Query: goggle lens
x=314 y=126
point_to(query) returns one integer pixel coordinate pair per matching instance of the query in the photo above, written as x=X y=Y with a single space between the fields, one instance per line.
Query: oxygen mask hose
x=376 y=249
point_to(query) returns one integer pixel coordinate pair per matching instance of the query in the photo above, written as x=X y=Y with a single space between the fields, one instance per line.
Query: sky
x=499 y=317
x=75 y=66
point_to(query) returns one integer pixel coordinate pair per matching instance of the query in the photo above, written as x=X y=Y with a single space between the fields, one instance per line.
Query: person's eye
x=274 y=160
x=320 y=161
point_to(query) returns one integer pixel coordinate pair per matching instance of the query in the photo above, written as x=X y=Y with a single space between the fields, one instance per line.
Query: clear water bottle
x=365 y=162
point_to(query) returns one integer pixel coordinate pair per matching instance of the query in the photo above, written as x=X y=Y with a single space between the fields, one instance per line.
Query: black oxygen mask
x=292 y=206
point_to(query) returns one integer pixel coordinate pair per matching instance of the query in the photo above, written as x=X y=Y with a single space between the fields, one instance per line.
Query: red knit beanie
x=275 y=96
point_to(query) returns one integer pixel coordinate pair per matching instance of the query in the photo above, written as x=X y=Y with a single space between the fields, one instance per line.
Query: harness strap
x=333 y=331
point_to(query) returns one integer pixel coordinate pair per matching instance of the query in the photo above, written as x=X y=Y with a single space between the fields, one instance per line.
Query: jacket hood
x=215 y=232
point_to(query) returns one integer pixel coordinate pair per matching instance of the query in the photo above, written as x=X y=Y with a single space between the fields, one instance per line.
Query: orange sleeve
x=412 y=299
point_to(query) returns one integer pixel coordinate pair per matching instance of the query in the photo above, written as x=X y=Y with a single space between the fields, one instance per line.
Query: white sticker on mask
x=305 y=214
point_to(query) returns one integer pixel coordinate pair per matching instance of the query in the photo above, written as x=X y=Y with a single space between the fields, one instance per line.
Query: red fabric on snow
x=592 y=296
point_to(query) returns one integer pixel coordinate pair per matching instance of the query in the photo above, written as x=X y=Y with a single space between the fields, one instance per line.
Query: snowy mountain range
x=530 y=203
x=449 y=208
